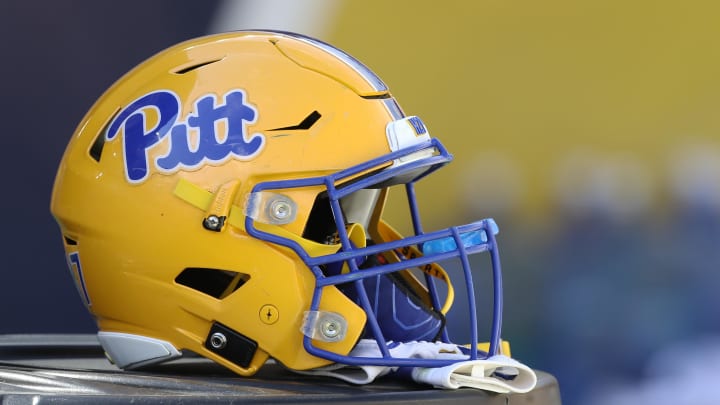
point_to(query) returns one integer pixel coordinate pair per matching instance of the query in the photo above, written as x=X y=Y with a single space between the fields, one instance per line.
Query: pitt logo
x=211 y=134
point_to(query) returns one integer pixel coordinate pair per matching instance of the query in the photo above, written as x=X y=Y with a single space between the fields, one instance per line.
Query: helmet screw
x=330 y=329
x=218 y=340
x=213 y=223
x=280 y=209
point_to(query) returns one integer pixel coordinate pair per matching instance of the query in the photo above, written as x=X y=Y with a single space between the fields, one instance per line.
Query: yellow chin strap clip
x=385 y=233
x=219 y=205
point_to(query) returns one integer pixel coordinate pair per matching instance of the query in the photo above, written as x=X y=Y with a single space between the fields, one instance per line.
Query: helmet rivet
x=280 y=209
x=212 y=222
x=330 y=329
x=218 y=340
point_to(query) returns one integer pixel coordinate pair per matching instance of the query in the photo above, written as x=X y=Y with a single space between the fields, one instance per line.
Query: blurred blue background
x=588 y=130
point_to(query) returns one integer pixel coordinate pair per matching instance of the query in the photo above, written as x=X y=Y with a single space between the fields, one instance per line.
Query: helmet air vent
x=99 y=143
x=185 y=69
x=213 y=282
x=70 y=241
x=305 y=124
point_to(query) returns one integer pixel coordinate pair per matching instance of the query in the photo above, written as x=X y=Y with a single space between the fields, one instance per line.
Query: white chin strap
x=497 y=374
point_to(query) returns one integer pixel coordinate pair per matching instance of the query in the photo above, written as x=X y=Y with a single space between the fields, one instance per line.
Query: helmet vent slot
x=69 y=241
x=305 y=124
x=213 y=282
x=99 y=143
x=97 y=146
x=186 y=69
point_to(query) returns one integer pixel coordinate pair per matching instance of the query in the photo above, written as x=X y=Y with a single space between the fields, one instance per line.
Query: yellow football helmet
x=225 y=197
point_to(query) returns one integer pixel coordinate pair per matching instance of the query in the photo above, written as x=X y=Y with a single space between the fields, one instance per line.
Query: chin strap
x=498 y=373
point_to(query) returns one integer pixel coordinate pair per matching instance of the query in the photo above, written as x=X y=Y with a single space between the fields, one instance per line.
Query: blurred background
x=588 y=130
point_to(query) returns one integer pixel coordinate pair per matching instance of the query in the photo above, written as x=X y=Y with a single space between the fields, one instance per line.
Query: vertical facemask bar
x=497 y=295
x=417 y=227
x=471 y=294
x=414 y=211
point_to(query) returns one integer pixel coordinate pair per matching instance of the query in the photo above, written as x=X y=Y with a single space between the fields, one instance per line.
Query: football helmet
x=226 y=196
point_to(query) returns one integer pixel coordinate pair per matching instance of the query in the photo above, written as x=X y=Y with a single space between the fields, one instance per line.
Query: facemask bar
x=417 y=228
x=455 y=236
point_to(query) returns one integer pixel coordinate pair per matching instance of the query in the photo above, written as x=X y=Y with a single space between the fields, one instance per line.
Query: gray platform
x=49 y=369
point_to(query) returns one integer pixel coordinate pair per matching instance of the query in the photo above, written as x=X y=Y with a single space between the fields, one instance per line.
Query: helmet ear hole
x=213 y=282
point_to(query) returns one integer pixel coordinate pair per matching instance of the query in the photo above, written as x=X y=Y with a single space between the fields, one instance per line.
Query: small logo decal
x=211 y=147
x=417 y=125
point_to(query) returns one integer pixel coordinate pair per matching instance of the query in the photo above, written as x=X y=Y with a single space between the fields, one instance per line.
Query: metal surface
x=46 y=369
